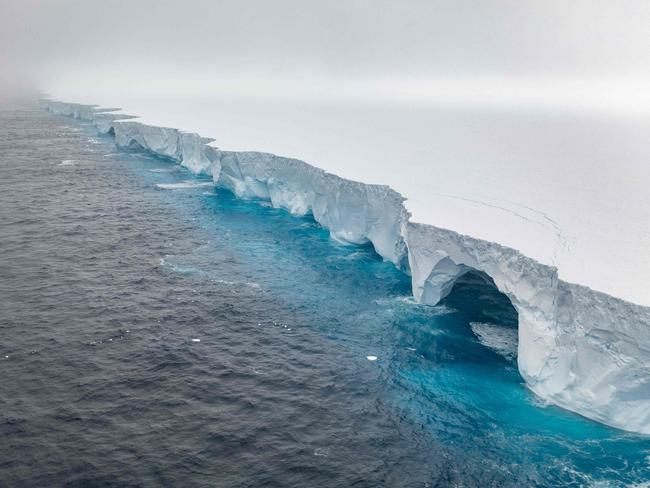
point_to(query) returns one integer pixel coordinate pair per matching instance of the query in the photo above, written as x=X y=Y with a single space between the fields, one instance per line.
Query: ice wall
x=353 y=212
x=190 y=150
x=578 y=348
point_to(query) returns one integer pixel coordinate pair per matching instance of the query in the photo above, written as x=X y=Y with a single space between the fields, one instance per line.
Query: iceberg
x=581 y=349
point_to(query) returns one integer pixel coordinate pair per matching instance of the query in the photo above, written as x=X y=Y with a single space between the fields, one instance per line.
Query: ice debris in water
x=183 y=185
x=371 y=358
x=196 y=340
x=499 y=338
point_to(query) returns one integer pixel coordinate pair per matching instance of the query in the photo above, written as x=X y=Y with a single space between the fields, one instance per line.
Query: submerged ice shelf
x=581 y=349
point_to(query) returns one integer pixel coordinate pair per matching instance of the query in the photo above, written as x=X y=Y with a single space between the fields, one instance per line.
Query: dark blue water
x=108 y=280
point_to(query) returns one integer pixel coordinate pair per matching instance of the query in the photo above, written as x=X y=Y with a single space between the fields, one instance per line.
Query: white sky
x=506 y=51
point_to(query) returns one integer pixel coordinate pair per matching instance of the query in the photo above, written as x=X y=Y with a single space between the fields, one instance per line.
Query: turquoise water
x=161 y=332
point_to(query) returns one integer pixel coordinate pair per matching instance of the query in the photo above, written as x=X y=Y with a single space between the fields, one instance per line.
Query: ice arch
x=438 y=257
x=488 y=313
x=580 y=349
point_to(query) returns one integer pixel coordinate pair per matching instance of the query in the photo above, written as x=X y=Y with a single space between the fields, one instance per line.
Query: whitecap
x=348 y=257
x=196 y=340
x=409 y=301
x=237 y=283
x=67 y=162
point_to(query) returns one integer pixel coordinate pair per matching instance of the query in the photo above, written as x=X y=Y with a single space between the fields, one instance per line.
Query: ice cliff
x=578 y=348
x=190 y=150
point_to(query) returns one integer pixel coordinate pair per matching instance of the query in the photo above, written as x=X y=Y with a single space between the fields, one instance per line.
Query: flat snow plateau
x=566 y=189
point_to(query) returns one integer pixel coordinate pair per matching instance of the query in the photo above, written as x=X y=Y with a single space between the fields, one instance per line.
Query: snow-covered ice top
x=579 y=348
x=566 y=189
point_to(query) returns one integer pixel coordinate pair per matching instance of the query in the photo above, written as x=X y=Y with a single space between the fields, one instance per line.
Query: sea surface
x=155 y=331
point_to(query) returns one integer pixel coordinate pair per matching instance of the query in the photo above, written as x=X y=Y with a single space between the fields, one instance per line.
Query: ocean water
x=155 y=331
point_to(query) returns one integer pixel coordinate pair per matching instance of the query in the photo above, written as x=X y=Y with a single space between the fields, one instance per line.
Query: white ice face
x=353 y=212
x=190 y=150
x=578 y=348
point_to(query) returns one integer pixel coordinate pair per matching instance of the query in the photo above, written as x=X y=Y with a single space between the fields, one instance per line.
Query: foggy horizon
x=580 y=55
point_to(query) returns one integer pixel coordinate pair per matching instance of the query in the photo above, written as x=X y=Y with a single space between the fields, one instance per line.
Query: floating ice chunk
x=67 y=162
x=499 y=338
x=371 y=358
x=183 y=185
x=196 y=340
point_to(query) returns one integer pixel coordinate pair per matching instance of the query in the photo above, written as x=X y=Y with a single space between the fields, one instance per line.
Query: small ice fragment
x=184 y=185
x=371 y=358
x=196 y=340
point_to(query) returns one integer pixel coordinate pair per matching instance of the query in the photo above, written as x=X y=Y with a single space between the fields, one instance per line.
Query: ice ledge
x=578 y=348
